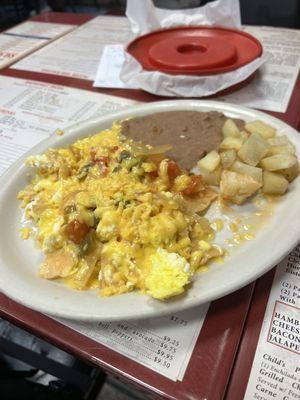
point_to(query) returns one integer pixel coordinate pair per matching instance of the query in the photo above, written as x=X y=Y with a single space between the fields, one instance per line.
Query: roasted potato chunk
x=290 y=173
x=244 y=135
x=242 y=168
x=274 y=183
x=227 y=158
x=254 y=149
x=231 y=142
x=280 y=150
x=278 y=161
x=237 y=187
x=262 y=128
x=230 y=129
x=281 y=141
x=210 y=162
x=212 y=178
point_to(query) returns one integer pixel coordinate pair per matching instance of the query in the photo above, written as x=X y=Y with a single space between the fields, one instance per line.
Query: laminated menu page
x=30 y=111
x=27 y=37
x=163 y=344
x=274 y=372
x=272 y=85
x=77 y=54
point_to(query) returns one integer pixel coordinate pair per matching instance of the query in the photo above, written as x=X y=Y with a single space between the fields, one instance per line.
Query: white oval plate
x=19 y=260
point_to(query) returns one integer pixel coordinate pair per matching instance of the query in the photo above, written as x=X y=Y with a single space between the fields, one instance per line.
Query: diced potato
x=210 y=162
x=280 y=149
x=242 y=168
x=262 y=128
x=281 y=141
x=244 y=135
x=237 y=187
x=231 y=142
x=274 y=183
x=212 y=178
x=291 y=147
x=227 y=158
x=230 y=129
x=278 y=161
x=254 y=149
x=282 y=145
x=290 y=173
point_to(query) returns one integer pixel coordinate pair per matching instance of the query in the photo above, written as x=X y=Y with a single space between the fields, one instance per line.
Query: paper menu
x=30 y=111
x=40 y=30
x=21 y=40
x=163 y=344
x=77 y=54
x=275 y=370
x=272 y=86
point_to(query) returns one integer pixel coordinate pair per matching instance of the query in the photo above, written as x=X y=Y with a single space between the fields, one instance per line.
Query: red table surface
x=213 y=357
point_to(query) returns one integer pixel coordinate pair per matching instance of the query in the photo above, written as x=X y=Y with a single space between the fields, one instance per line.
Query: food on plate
x=250 y=160
x=237 y=187
x=196 y=132
x=274 y=183
x=115 y=214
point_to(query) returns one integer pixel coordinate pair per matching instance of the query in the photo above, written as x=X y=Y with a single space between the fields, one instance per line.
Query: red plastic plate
x=195 y=50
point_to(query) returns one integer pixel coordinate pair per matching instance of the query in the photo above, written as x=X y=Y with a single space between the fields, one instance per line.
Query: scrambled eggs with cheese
x=117 y=215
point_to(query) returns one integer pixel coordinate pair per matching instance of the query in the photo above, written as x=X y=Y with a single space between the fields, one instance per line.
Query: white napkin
x=144 y=17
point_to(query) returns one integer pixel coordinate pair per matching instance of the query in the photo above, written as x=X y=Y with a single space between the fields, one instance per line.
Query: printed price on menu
x=163 y=344
x=161 y=350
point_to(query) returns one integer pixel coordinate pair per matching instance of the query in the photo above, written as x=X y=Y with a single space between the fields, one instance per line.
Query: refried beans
x=191 y=134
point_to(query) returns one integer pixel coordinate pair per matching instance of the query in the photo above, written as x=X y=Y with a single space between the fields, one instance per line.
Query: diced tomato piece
x=98 y=159
x=93 y=154
x=104 y=169
x=173 y=170
x=153 y=174
x=193 y=186
x=76 y=231
x=101 y=160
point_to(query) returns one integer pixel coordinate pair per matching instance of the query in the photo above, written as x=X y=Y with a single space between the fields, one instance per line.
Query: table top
x=225 y=319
